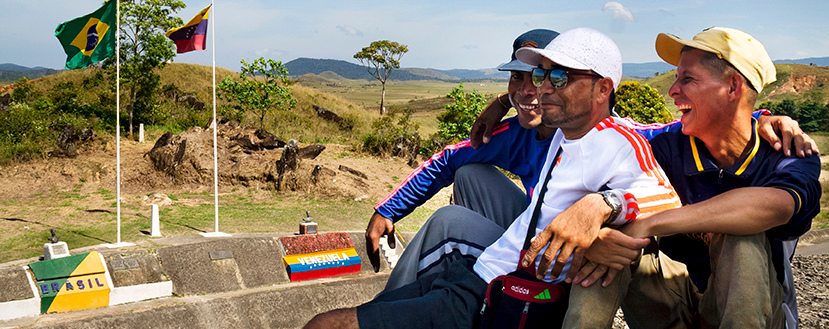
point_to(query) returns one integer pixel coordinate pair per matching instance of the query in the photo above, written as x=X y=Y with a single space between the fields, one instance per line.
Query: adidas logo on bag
x=543 y=295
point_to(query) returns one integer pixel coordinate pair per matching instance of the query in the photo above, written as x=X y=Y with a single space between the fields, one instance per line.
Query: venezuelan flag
x=322 y=264
x=193 y=35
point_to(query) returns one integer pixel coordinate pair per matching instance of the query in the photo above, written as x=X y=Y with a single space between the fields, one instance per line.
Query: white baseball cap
x=581 y=49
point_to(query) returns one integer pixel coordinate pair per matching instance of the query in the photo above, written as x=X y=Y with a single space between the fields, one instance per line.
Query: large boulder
x=190 y=100
x=69 y=139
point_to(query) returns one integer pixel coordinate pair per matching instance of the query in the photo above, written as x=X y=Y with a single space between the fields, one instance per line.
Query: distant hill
x=797 y=82
x=817 y=61
x=348 y=70
x=303 y=66
x=9 y=73
x=652 y=69
x=646 y=70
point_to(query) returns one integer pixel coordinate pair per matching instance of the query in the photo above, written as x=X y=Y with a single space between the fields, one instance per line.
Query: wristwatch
x=615 y=204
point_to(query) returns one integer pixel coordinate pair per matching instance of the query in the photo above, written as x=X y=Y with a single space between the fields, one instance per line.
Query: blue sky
x=441 y=34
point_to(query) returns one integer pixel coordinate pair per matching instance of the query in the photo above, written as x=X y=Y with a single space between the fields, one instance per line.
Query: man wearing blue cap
x=518 y=146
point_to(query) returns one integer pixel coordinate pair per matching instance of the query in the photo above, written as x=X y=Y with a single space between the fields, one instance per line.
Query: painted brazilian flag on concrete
x=72 y=283
x=89 y=39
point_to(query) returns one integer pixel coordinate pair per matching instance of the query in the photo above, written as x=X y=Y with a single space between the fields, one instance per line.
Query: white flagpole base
x=214 y=234
x=118 y=245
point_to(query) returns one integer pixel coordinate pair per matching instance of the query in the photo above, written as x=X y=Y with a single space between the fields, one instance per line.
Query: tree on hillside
x=144 y=48
x=261 y=97
x=379 y=59
x=641 y=103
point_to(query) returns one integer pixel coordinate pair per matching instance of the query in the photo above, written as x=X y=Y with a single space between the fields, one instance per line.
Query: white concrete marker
x=155 y=230
x=141 y=132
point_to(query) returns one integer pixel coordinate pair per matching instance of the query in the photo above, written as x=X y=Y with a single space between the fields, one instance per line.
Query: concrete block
x=128 y=294
x=256 y=262
x=359 y=240
x=17 y=298
x=55 y=250
x=283 y=306
x=135 y=267
x=15 y=285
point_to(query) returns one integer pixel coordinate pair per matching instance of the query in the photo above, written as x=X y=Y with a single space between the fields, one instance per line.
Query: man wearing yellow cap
x=724 y=257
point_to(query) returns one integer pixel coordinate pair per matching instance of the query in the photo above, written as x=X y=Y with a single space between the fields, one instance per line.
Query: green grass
x=239 y=212
x=821 y=221
x=368 y=93
x=822 y=140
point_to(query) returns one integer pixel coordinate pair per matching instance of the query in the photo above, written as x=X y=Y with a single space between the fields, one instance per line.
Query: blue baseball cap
x=538 y=38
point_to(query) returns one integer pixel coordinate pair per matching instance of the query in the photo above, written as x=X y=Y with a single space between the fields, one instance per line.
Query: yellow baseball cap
x=740 y=49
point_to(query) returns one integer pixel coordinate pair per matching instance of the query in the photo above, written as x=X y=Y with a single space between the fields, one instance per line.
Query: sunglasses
x=557 y=76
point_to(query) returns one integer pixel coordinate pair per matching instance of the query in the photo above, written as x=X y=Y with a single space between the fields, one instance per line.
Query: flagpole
x=118 y=115
x=216 y=232
x=118 y=127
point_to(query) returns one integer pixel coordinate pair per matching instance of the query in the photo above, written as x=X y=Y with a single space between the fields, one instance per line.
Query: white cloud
x=619 y=11
x=349 y=30
x=269 y=52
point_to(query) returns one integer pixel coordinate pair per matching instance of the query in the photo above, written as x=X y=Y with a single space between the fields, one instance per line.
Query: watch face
x=612 y=199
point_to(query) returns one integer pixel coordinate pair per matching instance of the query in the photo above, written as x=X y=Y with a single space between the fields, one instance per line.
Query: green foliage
x=23 y=132
x=386 y=133
x=22 y=91
x=255 y=95
x=379 y=59
x=812 y=116
x=144 y=47
x=456 y=122
x=641 y=103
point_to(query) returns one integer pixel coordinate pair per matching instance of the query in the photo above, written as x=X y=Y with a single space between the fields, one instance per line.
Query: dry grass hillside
x=794 y=81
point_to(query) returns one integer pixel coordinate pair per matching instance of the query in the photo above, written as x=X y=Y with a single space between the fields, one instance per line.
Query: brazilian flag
x=89 y=39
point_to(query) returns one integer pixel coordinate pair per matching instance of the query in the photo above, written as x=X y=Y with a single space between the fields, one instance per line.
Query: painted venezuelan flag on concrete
x=193 y=35
x=322 y=264
x=72 y=283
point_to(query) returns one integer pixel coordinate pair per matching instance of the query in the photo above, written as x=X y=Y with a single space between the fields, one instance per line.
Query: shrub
x=811 y=115
x=23 y=132
x=641 y=103
x=388 y=133
x=456 y=122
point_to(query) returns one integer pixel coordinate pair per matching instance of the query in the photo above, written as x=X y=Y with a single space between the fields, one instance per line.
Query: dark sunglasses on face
x=557 y=76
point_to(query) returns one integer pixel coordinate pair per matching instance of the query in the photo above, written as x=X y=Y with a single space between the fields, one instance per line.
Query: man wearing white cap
x=576 y=76
x=724 y=257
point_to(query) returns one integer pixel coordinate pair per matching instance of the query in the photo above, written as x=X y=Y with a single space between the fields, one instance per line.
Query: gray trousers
x=456 y=232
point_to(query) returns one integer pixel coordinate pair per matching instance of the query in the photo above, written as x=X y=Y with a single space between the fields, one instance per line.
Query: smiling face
x=700 y=96
x=524 y=96
x=570 y=108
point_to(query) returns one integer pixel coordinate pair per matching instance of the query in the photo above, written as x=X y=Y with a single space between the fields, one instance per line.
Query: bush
x=24 y=132
x=811 y=115
x=641 y=103
x=386 y=136
x=456 y=122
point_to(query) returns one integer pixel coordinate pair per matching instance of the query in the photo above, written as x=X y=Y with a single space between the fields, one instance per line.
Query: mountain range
x=12 y=72
x=340 y=68
x=348 y=70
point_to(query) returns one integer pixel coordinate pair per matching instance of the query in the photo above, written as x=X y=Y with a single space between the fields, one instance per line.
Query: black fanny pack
x=519 y=299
